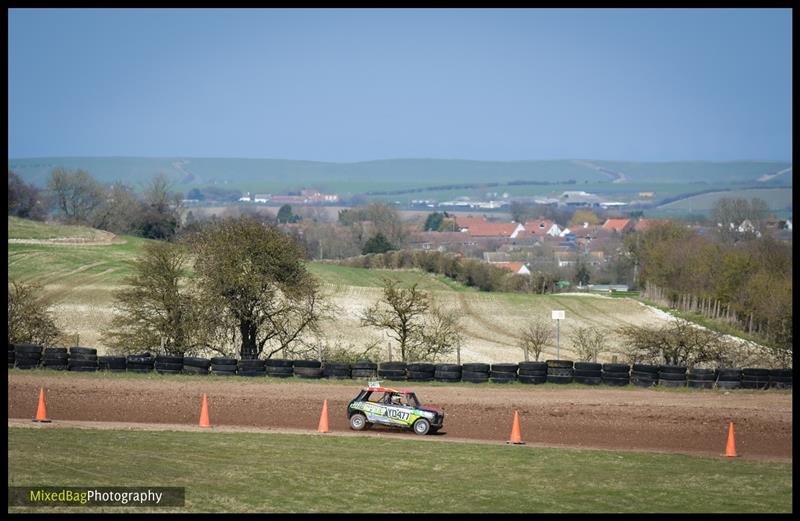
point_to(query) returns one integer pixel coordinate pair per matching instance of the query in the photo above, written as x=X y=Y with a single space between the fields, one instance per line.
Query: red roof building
x=617 y=225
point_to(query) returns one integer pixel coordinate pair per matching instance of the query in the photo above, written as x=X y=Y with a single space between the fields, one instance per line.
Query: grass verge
x=250 y=472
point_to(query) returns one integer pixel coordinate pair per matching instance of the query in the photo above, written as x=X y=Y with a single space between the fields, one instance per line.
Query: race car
x=392 y=407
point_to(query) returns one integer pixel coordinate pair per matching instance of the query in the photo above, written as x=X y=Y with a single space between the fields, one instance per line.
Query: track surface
x=600 y=418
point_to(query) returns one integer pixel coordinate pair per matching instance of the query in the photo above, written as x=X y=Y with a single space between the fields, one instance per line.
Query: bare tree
x=29 y=317
x=677 y=342
x=535 y=336
x=441 y=335
x=588 y=342
x=401 y=312
x=77 y=194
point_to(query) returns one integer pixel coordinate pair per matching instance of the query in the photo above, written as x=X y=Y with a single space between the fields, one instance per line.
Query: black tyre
x=532 y=379
x=82 y=351
x=193 y=361
x=251 y=365
x=392 y=373
x=358 y=422
x=584 y=372
x=645 y=368
x=218 y=360
x=729 y=374
x=167 y=366
x=475 y=368
x=728 y=384
x=422 y=426
x=89 y=369
x=532 y=366
x=223 y=373
x=393 y=366
x=307 y=363
x=532 y=373
x=615 y=374
x=280 y=370
x=169 y=359
x=447 y=374
x=55 y=350
x=671 y=383
x=587 y=366
x=616 y=382
x=701 y=377
x=446 y=379
x=56 y=359
x=504 y=368
x=755 y=384
x=781 y=372
x=780 y=379
x=617 y=368
x=701 y=384
x=83 y=357
x=191 y=369
x=553 y=379
x=314 y=372
x=755 y=371
x=503 y=380
x=643 y=382
x=82 y=363
x=449 y=368
x=680 y=377
x=396 y=378
x=364 y=373
x=223 y=367
x=701 y=371
x=278 y=362
x=140 y=360
x=168 y=371
x=671 y=369
x=421 y=367
x=588 y=380
x=559 y=372
x=251 y=372
x=364 y=364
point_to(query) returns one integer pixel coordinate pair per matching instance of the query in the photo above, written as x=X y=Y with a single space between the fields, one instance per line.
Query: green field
x=776 y=199
x=250 y=472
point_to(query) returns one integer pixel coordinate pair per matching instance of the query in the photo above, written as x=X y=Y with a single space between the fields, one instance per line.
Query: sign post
x=558 y=316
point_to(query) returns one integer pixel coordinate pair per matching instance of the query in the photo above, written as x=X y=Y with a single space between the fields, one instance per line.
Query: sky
x=357 y=85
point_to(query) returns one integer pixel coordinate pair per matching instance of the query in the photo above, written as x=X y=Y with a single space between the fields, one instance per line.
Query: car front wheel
x=422 y=426
x=358 y=422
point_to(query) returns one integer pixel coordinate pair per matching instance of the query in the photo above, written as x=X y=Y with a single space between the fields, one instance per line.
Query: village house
x=618 y=225
x=517 y=268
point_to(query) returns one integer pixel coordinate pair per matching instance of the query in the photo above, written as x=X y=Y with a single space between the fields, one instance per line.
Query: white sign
x=558 y=314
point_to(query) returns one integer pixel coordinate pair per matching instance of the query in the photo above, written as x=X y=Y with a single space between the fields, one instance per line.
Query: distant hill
x=276 y=175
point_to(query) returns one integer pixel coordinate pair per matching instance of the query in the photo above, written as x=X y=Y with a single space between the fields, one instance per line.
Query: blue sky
x=354 y=85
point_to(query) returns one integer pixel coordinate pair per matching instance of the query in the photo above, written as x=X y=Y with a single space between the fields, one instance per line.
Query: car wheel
x=422 y=426
x=358 y=422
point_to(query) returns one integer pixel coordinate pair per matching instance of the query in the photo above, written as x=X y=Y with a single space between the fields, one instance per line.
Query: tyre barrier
x=475 y=373
x=616 y=374
x=672 y=375
x=395 y=371
x=503 y=373
x=559 y=371
x=337 y=370
x=115 y=364
x=27 y=356
x=420 y=372
x=279 y=367
x=222 y=366
x=532 y=372
x=55 y=358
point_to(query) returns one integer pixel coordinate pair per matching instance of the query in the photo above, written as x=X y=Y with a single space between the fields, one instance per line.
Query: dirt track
x=629 y=419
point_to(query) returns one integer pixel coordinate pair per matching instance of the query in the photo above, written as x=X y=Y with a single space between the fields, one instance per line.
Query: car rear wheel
x=422 y=426
x=358 y=422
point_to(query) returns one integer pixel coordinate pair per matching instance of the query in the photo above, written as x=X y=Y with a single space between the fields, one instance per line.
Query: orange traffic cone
x=204 y=412
x=41 y=411
x=323 y=419
x=730 y=449
x=516 y=432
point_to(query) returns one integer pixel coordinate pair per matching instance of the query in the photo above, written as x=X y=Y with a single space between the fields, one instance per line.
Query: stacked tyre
x=27 y=356
x=559 y=371
x=223 y=366
x=475 y=373
x=780 y=378
x=166 y=364
x=532 y=372
x=755 y=378
x=363 y=369
x=447 y=373
x=672 y=376
x=395 y=371
x=307 y=368
x=337 y=370
x=616 y=374
x=196 y=365
x=728 y=378
x=420 y=372
x=55 y=358
x=82 y=359
x=141 y=363
x=11 y=356
x=115 y=364
x=644 y=375
x=504 y=373
x=699 y=378
x=587 y=373
x=251 y=368
x=279 y=368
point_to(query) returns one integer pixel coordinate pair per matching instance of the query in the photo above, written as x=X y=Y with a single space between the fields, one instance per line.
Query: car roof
x=388 y=390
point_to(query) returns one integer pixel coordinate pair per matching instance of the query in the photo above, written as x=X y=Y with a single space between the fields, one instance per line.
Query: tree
x=434 y=221
x=159 y=215
x=29 y=317
x=535 y=336
x=156 y=307
x=583 y=216
x=119 y=212
x=588 y=342
x=76 y=194
x=441 y=335
x=377 y=244
x=401 y=312
x=285 y=214
x=24 y=200
x=677 y=342
x=582 y=274
x=254 y=276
